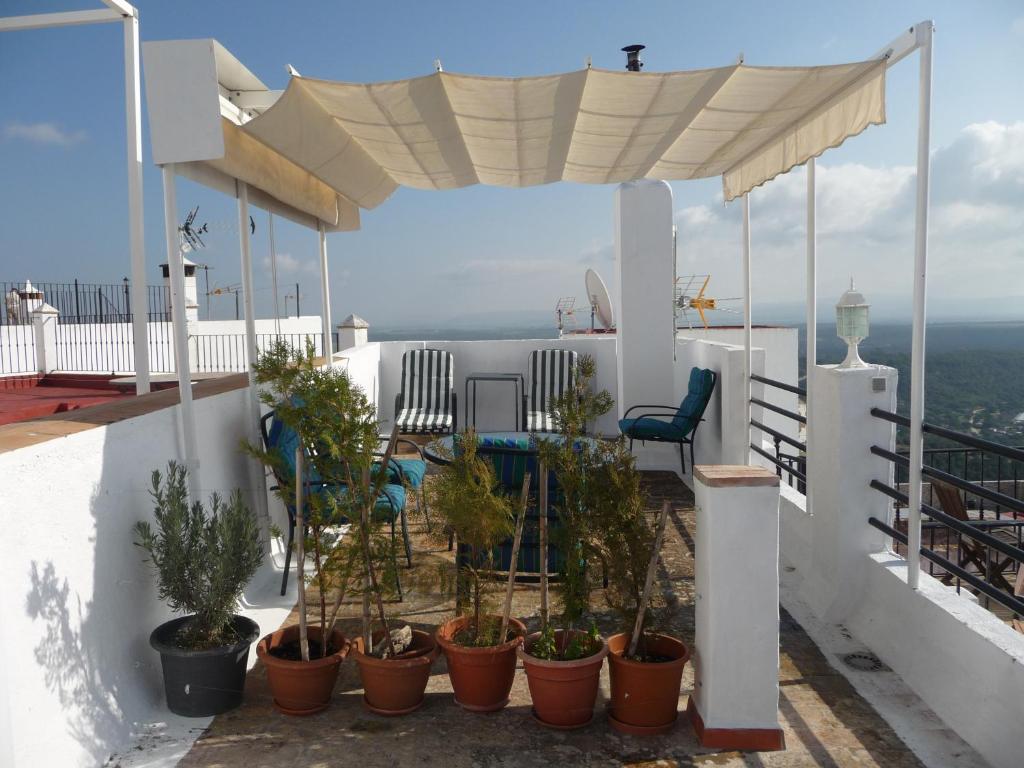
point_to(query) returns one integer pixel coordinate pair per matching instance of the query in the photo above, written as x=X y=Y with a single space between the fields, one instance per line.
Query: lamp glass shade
x=852 y=321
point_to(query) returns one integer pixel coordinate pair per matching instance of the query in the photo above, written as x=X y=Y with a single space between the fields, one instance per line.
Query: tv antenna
x=191 y=234
x=688 y=297
x=565 y=312
x=235 y=289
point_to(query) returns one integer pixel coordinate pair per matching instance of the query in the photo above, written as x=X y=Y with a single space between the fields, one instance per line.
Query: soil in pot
x=481 y=676
x=201 y=683
x=563 y=692
x=645 y=689
x=301 y=687
x=396 y=686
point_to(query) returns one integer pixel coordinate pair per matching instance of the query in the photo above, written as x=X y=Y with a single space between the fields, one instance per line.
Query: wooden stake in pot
x=300 y=555
x=543 y=544
x=524 y=498
x=652 y=569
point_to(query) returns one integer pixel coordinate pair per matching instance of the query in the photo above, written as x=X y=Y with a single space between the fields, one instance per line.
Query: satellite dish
x=597 y=294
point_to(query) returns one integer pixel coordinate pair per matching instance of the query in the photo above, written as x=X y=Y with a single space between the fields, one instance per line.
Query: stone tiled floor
x=826 y=723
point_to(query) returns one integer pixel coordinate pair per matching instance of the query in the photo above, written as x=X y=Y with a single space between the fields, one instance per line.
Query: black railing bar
x=779 y=384
x=964 y=485
x=778 y=435
x=1012 y=602
x=777 y=409
x=967 y=529
x=1017 y=454
x=784 y=467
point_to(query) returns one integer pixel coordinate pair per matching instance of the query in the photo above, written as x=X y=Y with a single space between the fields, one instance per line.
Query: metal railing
x=793 y=464
x=110 y=347
x=975 y=551
x=17 y=349
x=84 y=302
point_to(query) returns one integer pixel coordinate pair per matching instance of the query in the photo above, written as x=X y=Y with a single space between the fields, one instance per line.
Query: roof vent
x=633 y=63
x=864 y=661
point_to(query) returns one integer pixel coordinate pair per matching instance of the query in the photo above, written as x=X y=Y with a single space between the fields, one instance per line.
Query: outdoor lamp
x=852 y=325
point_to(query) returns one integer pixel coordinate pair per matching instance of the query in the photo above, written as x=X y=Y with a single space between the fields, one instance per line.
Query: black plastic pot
x=207 y=682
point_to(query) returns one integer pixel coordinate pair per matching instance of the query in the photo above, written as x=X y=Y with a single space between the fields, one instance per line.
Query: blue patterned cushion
x=646 y=428
x=413 y=470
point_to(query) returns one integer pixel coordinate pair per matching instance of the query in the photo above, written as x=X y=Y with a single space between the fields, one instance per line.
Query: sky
x=485 y=255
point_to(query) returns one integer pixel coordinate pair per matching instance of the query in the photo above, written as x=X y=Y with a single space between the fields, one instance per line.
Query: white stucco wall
x=78 y=602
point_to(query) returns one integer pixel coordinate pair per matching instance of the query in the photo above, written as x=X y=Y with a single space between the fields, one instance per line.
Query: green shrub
x=202 y=560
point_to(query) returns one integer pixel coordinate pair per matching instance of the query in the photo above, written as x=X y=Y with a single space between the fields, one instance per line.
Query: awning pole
x=176 y=268
x=325 y=288
x=747 y=362
x=133 y=144
x=811 y=351
x=245 y=245
x=273 y=274
x=924 y=32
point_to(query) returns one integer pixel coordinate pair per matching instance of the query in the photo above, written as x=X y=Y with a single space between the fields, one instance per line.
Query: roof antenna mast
x=633 y=63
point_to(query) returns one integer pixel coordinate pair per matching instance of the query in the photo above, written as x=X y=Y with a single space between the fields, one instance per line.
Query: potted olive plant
x=480 y=646
x=563 y=663
x=332 y=476
x=203 y=560
x=646 y=667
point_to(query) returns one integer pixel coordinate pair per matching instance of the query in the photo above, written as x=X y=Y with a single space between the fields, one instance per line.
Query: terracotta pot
x=481 y=677
x=301 y=687
x=563 y=692
x=395 y=686
x=644 y=695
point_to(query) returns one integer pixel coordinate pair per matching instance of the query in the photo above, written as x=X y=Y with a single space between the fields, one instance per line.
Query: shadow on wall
x=80 y=672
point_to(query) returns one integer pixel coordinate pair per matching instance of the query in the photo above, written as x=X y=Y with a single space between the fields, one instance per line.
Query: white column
x=259 y=494
x=736 y=641
x=176 y=268
x=811 y=352
x=44 y=330
x=747 y=315
x=325 y=290
x=645 y=334
x=840 y=434
x=133 y=143
x=924 y=32
x=273 y=272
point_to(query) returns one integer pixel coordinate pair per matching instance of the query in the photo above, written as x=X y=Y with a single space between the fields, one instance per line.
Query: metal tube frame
x=747 y=332
x=811 y=339
x=325 y=289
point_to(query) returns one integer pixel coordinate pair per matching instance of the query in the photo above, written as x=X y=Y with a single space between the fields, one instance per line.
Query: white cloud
x=865 y=225
x=43 y=133
x=288 y=264
x=1017 y=26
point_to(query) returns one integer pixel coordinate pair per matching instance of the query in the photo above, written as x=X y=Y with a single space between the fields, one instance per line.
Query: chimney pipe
x=633 y=63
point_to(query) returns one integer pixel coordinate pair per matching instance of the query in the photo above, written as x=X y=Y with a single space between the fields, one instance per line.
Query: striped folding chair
x=552 y=374
x=426 y=403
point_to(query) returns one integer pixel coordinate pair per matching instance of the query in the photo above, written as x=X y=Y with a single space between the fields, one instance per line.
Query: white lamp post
x=852 y=325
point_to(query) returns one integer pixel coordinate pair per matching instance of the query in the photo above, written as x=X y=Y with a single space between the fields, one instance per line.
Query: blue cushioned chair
x=390 y=505
x=669 y=424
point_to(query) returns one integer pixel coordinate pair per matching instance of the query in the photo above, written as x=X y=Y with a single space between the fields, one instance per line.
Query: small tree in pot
x=563 y=664
x=480 y=646
x=202 y=560
x=646 y=667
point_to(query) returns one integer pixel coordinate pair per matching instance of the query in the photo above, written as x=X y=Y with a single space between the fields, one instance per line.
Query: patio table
x=516 y=379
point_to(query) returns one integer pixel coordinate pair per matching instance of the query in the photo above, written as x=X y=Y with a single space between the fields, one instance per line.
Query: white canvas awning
x=324 y=149
x=442 y=131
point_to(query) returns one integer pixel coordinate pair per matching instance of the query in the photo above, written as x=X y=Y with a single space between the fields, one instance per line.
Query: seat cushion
x=389 y=503
x=646 y=428
x=540 y=421
x=421 y=420
x=413 y=471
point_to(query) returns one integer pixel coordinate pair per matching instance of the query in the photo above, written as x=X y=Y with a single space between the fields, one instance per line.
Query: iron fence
x=793 y=464
x=17 y=349
x=110 y=347
x=960 y=545
x=78 y=302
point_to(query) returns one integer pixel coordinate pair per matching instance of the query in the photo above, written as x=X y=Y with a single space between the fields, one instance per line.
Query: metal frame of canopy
x=118 y=10
x=250 y=96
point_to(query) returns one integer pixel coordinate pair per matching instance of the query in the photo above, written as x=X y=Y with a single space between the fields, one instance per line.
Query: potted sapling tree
x=480 y=645
x=563 y=663
x=203 y=559
x=645 y=666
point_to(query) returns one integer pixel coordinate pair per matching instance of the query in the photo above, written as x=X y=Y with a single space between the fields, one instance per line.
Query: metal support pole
x=924 y=33
x=133 y=143
x=255 y=468
x=176 y=268
x=273 y=275
x=325 y=287
x=747 y=314
x=811 y=352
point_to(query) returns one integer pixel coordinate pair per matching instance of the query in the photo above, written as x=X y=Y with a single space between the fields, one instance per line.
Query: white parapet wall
x=79 y=678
